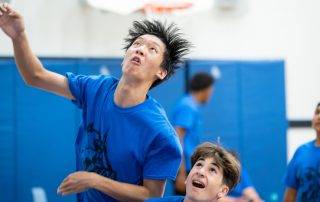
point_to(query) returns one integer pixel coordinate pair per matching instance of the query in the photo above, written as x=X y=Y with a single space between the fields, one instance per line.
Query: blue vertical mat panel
x=46 y=135
x=170 y=91
x=264 y=125
x=221 y=114
x=7 y=136
x=100 y=66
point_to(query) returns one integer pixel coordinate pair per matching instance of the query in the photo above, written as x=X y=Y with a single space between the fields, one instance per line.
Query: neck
x=186 y=199
x=197 y=97
x=129 y=94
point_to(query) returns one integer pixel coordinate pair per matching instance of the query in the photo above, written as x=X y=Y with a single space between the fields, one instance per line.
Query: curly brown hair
x=229 y=165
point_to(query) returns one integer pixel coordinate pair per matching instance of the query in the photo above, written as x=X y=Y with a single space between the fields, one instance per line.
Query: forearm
x=182 y=174
x=28 y=64
x=120 y=191
x=251 y=194
x=290 y=195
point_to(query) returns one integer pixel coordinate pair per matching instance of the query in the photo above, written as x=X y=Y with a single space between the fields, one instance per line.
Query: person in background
x=302 y=178
x=187 y=122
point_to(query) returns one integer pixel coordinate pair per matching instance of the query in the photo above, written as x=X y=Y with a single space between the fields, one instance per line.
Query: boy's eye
x=213 y=170
x=199 y=164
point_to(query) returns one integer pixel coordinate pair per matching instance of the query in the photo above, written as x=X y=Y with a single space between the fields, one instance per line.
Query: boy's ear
x=162 y=73
x=223 y=192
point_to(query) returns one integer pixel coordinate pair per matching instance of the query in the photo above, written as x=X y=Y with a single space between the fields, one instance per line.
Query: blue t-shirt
x=186 y=115
x=303 y=173
x=244 y=183
x=167 y=199
x=123 y=144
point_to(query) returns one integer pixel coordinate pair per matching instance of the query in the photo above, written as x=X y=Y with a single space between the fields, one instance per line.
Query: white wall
x=296 y=137
x=265 y=29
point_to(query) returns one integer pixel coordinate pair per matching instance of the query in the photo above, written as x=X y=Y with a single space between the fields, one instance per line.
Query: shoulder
x=166 y=140
x=88 y=80
x=157 y=116
x=103 y=79
x=304 y=147
x=302 y=151
x=186 y=104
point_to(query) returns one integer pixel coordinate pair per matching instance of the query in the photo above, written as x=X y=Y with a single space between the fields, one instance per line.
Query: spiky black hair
x=176 y=46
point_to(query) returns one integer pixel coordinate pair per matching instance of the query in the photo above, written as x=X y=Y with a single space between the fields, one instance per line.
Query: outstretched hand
x=11 y=22
x=76 y=182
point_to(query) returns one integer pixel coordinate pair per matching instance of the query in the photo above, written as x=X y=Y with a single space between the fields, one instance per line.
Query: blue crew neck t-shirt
x=123 y=144
x=303 y=173
x=167 y=199
x=186 y=115
x=244 y=183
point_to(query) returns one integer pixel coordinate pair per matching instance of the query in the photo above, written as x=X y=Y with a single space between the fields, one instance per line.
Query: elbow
x=29 y=82
x=33 y=80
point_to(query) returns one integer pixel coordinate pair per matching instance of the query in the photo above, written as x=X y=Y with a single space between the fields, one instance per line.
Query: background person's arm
x=30 y=68
x=180 y=185
x=251 y=194
x=290 y=195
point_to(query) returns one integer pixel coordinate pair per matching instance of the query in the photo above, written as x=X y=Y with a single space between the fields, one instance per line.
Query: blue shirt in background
x=123 y=144
x=244 y=183
x=303 y=173
x=186 y=115
x=167 y=199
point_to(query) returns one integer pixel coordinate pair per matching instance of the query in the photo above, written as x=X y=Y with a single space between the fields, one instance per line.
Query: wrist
x=19 y=37
x=93 y=180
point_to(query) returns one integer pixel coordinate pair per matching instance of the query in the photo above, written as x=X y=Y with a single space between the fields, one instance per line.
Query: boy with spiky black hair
x=126 y=147
x=176 y=46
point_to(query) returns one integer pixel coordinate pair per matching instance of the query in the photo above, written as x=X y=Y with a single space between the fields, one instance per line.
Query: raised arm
x=30 y=68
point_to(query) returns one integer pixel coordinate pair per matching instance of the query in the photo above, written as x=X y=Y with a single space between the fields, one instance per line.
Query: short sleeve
x=291 y=179
x=183 y=117
x=82 y=86
x=163 y=158
x=78 y=85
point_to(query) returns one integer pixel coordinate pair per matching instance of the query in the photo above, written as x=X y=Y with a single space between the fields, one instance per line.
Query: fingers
x=3 y=7
x=9 y=8
x=6 y=8
x=68 y=187
x=65 y=184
